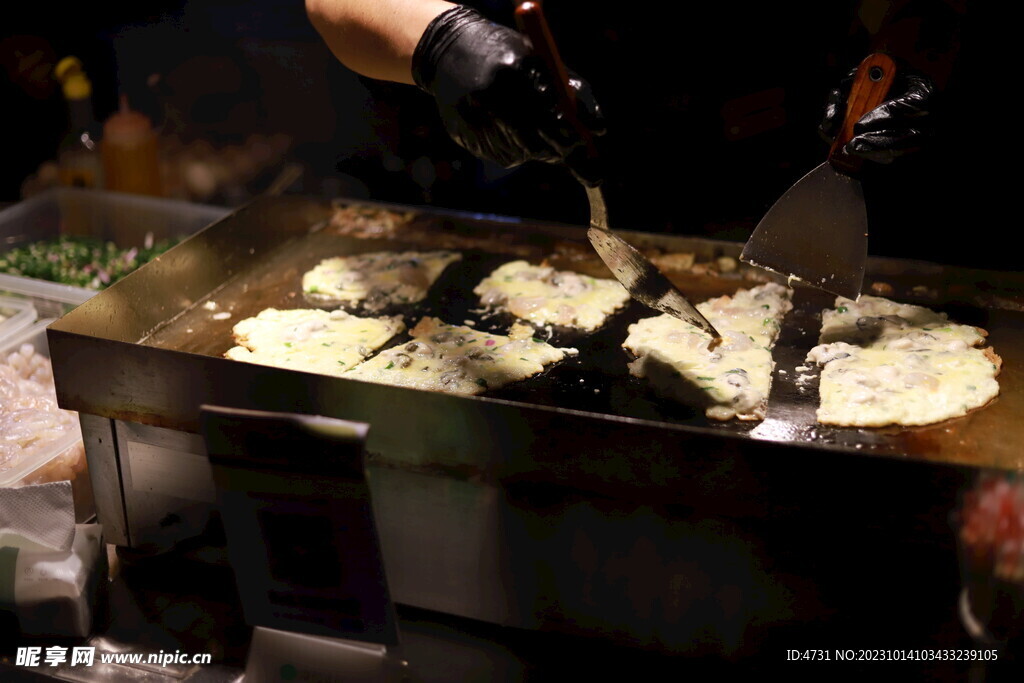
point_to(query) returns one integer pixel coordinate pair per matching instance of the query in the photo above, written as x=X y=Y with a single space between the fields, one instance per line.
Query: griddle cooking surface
x=598 y=381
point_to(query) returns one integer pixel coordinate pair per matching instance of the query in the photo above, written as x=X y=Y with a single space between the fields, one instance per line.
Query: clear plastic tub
x=58 y=459
x=50 y=299
x=124 y=219
x=15 y=315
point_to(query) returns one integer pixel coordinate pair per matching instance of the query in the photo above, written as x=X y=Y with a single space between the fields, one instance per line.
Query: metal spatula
x=636 y=273
x=632 y=269
x=817 y=232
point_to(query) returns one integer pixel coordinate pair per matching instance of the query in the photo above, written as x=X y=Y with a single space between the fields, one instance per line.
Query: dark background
x=712 y=109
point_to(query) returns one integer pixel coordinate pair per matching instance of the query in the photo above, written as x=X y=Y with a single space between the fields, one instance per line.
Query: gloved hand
x=497 y=99
x=900 y=125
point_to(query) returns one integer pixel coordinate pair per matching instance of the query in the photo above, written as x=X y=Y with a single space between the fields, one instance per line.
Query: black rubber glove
x=497 y=99
x=900 y=125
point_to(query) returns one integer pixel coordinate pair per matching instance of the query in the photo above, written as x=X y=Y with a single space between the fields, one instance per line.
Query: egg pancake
x=460 y=360
x=887 y=363
x=311 y=340
x=545 y=296
x=730 y=381
x=376 y=280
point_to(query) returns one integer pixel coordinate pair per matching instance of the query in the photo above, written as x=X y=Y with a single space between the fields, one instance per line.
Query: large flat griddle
x=150 y=348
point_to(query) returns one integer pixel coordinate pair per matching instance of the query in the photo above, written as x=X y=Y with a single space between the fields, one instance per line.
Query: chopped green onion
x=78 y=261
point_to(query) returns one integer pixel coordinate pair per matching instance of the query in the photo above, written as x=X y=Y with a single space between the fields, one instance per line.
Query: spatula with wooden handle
x=817 y=232
x=632 y=269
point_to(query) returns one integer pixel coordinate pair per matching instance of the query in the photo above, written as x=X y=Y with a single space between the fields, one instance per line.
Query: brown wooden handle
x=531 y=21
x=870 y=86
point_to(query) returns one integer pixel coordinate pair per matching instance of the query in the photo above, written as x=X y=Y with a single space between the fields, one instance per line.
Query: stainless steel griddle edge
x=102 y=369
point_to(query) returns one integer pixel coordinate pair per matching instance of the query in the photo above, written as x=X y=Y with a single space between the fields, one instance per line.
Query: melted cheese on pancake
x=376 y=280
x=459 y=360
x=886 y=363
x=731 y=381
x=328 y=343
x=545 y=296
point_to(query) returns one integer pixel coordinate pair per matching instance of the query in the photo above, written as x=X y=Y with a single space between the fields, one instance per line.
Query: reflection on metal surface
x=778 y=430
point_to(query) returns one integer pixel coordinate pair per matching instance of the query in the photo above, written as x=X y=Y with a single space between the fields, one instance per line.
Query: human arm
x=375 y=38
x=494 y=95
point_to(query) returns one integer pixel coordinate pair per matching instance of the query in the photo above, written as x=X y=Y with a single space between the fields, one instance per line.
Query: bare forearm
x=375 y=38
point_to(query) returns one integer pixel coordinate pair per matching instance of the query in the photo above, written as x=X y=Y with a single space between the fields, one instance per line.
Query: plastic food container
x=123 y=219
x=15 y=315
x=60 y=459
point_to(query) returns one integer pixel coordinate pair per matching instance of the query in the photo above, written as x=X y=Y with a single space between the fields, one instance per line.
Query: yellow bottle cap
x=66 y=67
x=77 y=87
x=72 y=77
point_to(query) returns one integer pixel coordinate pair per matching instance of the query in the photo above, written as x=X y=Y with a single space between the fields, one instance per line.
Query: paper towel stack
x=50 y=567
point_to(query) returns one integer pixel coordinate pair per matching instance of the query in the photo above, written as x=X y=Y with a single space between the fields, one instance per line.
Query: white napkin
x=43 y=514
x=50 y=569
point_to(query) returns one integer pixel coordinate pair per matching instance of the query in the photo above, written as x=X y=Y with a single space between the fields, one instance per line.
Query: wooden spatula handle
x=870 y=86
x=531 y=21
